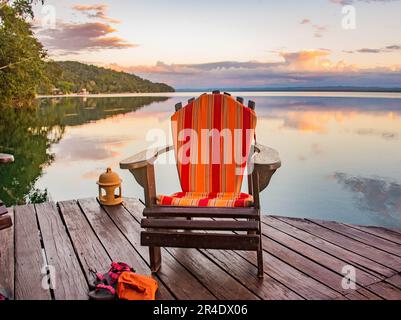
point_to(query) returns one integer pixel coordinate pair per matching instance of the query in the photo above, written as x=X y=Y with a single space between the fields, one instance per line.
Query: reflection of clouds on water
x=374 y=194
x=391 y=107
x=387 y=135
x=309 y=121
x=79 y=148
x=316 y=114
x=92 y=175
x=315 y=150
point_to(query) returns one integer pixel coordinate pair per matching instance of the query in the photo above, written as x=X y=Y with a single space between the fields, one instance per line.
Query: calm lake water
x=341 y=156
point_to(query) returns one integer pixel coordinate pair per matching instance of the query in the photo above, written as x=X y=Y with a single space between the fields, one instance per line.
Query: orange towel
x=132 y=286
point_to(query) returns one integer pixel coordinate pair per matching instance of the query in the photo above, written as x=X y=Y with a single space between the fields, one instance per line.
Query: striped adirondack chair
x=213 y=147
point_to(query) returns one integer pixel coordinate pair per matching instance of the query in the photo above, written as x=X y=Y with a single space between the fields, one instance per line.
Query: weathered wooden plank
x=356 y=295
x=184 y=285
x=363 y=237
x=304 y=264
x=294 y=227
x=386 y=291
x=90 y=251
x=362 y=294
x=381 y=232
x=369 y=295
x=243 y=271
x=395 y=229
x=87 y=246
x=377 y=256
x=200 y=224
x=332 y=263
x=7 y=259
x=110 y=236
x=302 y=284
x=29 y=259
x=206 y=271
x=116 y=244
x=201 y=212
x=227 y=257
x=395 y=280
x=70 y=282
x=199 y=240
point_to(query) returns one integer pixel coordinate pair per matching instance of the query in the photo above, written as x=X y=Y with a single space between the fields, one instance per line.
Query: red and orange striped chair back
x=212 y=139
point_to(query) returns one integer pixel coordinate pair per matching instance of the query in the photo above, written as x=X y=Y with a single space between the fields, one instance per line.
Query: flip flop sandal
x=116 y=269
x=110 y=277
x=3 y=295
x=102 y=292
x=98 y=278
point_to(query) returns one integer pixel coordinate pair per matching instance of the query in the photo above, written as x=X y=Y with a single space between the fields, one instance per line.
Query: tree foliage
x=28 y=136
x=22 y=65
x=24 y=71
x=72 y=77
x=23 y=8
x=29 y=133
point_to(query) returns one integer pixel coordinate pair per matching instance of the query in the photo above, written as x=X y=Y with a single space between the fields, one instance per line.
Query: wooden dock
x=304 y=259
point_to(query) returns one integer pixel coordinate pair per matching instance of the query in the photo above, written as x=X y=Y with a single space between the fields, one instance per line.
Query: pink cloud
x=95 y=11
x=75 y=37
x=305 y=21
x=318 y=29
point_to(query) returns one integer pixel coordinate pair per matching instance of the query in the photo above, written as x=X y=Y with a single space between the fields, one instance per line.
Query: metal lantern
x=108 y=183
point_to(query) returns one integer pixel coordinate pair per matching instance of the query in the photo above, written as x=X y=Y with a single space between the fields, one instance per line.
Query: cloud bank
x=95 y=11
x=297 y=69
x=90 y=35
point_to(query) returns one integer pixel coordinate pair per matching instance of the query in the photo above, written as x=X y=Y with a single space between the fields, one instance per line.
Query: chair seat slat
x=200 y=240
x=205 y=212
x=200 y=224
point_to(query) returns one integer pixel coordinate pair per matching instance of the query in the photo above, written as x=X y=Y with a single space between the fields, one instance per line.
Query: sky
x=231 y=44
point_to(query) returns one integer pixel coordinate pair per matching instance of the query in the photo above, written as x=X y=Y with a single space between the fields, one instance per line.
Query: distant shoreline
x=301 y=89
x=278 y=93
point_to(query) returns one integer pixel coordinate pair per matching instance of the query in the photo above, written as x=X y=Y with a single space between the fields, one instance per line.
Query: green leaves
x=22 y=66
x=72 y=77
x=23 y=8
x=24 y=72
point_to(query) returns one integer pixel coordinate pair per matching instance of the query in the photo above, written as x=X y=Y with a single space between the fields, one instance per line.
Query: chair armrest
x=266 y=157
x=141 y=167
x=143 y=158
x=265 y=161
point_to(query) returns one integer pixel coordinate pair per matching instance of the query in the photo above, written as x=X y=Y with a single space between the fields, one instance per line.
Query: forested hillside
x=72 y=77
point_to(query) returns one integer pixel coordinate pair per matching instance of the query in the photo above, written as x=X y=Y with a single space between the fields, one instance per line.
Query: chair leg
x=260 y=260
x=155 y=258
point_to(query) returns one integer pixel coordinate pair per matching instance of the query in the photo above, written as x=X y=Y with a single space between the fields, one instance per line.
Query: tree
x=23 y=8
x=72 y=76
x=22 y=65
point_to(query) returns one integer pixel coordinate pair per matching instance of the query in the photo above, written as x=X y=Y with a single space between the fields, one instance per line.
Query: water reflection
x=374 y=194
x=30 y=134
x=27 y=135
x=387 y=135
x=317 y=114
x=64 y=144
x=80 y=149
